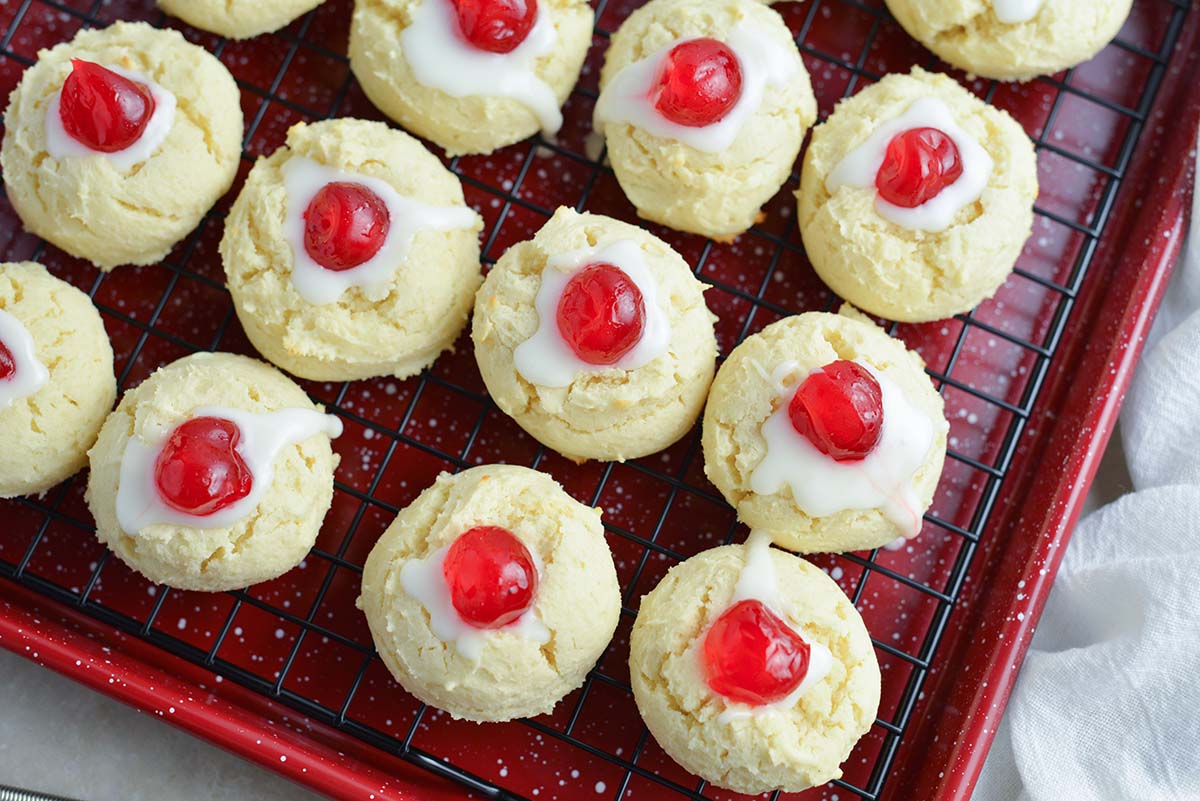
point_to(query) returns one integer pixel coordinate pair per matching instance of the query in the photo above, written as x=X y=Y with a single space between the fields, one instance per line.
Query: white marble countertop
x=60 y=737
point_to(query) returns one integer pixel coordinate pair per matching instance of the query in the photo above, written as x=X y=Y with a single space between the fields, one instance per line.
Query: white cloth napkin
x=1107 y=706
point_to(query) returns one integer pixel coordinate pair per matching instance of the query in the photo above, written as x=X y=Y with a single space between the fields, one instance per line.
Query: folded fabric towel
x=1107 y=706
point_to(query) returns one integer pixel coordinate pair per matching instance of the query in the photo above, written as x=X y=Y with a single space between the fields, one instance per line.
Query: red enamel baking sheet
x=284 y=673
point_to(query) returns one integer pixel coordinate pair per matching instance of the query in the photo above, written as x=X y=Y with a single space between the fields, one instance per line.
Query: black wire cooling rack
x=275 y=86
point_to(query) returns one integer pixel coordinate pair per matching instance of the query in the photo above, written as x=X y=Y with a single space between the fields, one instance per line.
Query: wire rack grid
x=658 y=510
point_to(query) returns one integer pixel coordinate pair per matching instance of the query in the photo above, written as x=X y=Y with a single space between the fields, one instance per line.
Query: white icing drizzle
x=1014 y=11
x=630 y=96
x=821 y=485
x=423 y=579
x=303 y=178
x=263 y=436
x=441 y=58
x=780 y=375
x=862 y=164
x=758 y=582
x=547 y=360
x=29 y=374
x=60 y=144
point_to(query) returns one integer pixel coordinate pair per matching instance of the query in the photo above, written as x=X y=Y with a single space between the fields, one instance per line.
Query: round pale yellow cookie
x=1012 y=40
x=395 y=326
x=238 y=19
x=609 y=413
x=760 y=376
x=716 y=194
x=795 y=744
x=49 y=411
x=524 y=668
x=902 y=273
x=266 y=542
x=474 y=116
x=107 y=212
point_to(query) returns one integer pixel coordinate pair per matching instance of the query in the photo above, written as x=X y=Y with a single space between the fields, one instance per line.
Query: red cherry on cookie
x=752 y=656
x=199 y=471
x=498 y=26
x=601 y=313
x=700 y=83
x=839 y=409
x=102 y=109
x=491 y=576
x=8 y=365
x=918 y=165
x=345 y=225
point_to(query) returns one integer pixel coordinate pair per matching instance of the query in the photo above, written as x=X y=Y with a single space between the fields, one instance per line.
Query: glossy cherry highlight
x=199 y=471
x=601 y=314
x=491 y=576
x=753 y=656
x=917 y=166
x=102 y=109
x=8 y=365
x=345 y=225
x=839 y=409
x=497 y=26
x=700 y=83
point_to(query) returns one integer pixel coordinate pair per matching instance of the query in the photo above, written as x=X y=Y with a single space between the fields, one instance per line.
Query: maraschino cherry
x=917 y=166
x=699 y=84
x=601 y=313
x=839 y=409
x=497 y=26
x=491 y=576
x=199 y=471
x=8 y=365
x=345 y=225
x=102 y=109
x=752 y=656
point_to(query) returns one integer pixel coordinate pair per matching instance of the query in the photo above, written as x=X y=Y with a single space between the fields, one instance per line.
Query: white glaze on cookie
x=303 y=178
x=263 y=436
x=60 y=144
x=547 y=360
x=440 y=58
x=630 y=96
x=821 y=485
x=1014 y=11
x=862 y=164
x=29 y=374
x=758 y=582
x=424 y=580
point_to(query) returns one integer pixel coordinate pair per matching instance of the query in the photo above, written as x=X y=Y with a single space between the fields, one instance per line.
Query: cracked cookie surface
x=613 y=414
x=787 y=749
x=578 y=599
x=745 y=393
x=47 y=434
x=460 y=125
x=900 y=273
x=238 y=19
x=107 y=214
x=425 y=302
x=718 y=195
x=267 y=542
x=968 y=34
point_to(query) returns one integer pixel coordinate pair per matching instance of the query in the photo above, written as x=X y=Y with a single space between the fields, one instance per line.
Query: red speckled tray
x=284 y=672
